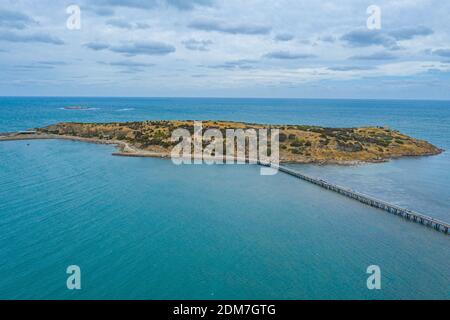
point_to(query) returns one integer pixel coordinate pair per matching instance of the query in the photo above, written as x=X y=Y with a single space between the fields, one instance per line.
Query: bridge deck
x=371 y=201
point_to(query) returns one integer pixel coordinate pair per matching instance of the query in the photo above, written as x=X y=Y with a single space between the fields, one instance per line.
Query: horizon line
x=220 y=97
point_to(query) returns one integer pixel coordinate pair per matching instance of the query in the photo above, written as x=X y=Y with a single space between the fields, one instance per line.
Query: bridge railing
x=366 y=199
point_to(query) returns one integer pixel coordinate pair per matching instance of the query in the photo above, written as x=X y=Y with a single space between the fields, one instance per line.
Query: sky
x=226 y=48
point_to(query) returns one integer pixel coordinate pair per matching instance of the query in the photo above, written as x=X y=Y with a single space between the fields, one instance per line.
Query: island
x=297 y=143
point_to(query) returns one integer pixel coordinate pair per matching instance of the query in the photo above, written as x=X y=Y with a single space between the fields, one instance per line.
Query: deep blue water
x=146 y=229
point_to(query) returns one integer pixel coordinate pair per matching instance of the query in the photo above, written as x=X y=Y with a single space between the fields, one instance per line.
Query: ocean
x=142 y=228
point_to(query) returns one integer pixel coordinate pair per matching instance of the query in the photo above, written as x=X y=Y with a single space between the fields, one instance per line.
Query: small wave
x=78 y=109
x=126 y=109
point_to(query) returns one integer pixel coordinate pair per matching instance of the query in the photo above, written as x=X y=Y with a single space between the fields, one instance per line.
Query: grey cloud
x=127 y=63
x=375 y=56
x=138 y=4
x=284 y=37
x=131 y=71
x=409 y=33
x=39 y=65
x=32 y=67
x=329 y=39
x=101 y=11
x=133 y=49
x=306 y=42
x=128 y=66
x=365 y=38
x=150 y=4
x=189 y=4
x=350 y=68
x=144 y=48
x=26 y=38
x=247 y=29
x=286 y=55
x=437 y=71
x=197 y=45
x=97 y=46
x=123 y=24
x=119 y=23
x=15 y=20
x=52 y=63
x=142 y=25
x=243 y=64
x=442 y=53
x=105 y=12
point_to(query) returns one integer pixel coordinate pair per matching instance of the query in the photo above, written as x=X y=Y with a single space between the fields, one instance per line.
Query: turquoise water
x=146 y=229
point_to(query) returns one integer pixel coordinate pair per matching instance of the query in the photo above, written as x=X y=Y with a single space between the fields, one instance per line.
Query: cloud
x=101 y=11
x=137 y=4
x=286 y=55
x=39 y=65
x=15 y=19
x=243 y=64
x=323 y=73
x=388 y=39
x=351 y=68
x=123 y=24
x=133 y=49
x=151 y=4
x=52 y=63
x=233 y=32
x=119 y=23
x=128 y=63
x=442 y=53
x=365 y=38
x=97 y=46
x=375 y=56
x=197 y=45
x=328 y=38
x=246 y=29
x=408 y=68
x=144 y=48
x=128 y=66
x=29 y=67
x=189 y=4
x=141 y=25
x=410 y=33
x=284 y=37
x=27 y=38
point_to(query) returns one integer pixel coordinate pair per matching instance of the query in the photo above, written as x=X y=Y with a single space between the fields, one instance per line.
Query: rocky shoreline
x=127 y=149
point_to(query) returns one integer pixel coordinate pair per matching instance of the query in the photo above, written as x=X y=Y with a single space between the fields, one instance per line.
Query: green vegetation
x=298 y=143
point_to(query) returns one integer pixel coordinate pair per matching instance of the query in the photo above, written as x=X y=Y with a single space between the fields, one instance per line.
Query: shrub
x=349 y=147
